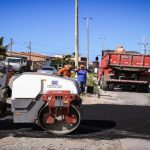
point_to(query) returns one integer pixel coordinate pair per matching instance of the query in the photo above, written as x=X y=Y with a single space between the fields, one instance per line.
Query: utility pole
x=29 y=47
x=11 y=43
x=144 y=43
x=76 y=35
x=87 y=31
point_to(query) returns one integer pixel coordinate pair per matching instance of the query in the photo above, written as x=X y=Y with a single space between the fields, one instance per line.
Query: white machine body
x=29 y=85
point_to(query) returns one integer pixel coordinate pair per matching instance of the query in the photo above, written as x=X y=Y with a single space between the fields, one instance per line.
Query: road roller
x=50 y=101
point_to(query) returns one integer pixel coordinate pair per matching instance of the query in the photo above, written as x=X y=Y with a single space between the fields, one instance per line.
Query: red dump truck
x=124 y=70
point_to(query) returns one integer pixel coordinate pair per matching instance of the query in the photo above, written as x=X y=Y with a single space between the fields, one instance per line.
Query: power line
x=44 y=45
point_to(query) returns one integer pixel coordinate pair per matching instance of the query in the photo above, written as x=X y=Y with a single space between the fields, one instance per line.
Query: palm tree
x=3 y=49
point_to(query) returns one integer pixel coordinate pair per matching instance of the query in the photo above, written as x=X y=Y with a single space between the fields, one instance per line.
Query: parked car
x=47 y=70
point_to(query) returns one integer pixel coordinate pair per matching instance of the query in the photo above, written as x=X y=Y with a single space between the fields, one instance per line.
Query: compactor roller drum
x=59 y=125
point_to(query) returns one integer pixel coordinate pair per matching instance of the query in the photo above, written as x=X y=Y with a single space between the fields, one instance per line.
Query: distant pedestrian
x=10 y=73
x=82 y=77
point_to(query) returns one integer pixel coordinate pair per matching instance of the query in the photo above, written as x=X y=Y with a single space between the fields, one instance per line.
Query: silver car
x=47 y=70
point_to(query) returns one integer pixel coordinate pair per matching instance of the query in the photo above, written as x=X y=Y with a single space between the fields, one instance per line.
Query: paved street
x=116 y=120
x=124 y=114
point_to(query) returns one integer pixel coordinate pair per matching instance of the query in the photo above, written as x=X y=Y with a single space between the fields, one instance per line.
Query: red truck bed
x=125 y=60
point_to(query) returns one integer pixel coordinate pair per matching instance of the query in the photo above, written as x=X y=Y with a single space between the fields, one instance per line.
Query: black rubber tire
x=142 y=88
x=138 y=88
x=111 y=86
x=105 y=87
x=146 y=88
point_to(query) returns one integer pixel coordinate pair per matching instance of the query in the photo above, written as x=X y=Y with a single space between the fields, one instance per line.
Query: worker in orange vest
x=65 y=71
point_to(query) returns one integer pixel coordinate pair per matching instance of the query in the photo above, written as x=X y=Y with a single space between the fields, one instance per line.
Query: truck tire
x=111 y=86
x=146 y=88
x=138 y=88
x=103 y=85
x=142 y=88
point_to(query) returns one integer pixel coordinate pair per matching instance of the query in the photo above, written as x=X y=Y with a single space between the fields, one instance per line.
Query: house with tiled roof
x=30 y=56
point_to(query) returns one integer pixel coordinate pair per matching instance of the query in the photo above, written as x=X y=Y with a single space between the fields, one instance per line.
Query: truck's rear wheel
x=145 y=88
x=111 y=86
x=59 y=126
x=103 y=85
x=142 y=88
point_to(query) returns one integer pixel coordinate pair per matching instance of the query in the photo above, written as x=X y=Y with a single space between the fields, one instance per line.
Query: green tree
x=67 y=59
x=3 y=49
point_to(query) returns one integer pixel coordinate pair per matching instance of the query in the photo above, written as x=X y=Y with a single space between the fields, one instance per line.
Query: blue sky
x=49 y=25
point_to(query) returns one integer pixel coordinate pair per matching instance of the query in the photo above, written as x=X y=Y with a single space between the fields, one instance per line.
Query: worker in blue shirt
x=82 y=77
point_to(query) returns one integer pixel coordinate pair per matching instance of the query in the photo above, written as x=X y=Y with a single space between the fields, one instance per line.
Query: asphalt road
x=114 y=115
